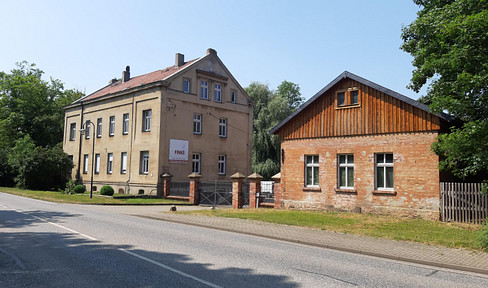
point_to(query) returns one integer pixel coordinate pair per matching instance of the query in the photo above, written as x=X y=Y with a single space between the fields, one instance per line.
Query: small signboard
x=178 y=151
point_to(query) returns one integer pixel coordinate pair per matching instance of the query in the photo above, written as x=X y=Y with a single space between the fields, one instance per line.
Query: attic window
x=348 y=98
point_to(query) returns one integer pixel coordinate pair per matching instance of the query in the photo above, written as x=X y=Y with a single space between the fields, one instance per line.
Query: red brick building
x=356 y=145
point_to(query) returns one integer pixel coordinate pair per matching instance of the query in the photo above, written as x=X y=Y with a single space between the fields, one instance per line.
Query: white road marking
x=171 y=269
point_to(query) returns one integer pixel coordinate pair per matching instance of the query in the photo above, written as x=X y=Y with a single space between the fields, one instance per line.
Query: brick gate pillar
x=194 y=181
x=237 y=180
x=166 y=184
x=278 y=197
x=254 y=189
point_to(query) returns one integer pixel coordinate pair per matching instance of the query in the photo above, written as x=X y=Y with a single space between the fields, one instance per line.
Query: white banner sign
x=178 y=151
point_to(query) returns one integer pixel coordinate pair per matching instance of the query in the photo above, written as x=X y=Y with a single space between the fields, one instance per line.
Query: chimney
x=179 y=60
x=126 y=74
x=211 y=51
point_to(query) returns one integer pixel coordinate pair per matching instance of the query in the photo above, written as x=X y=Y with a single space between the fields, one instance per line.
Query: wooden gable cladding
x=376 y=113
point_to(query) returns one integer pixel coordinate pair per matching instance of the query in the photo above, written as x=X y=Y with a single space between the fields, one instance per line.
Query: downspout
x=78 y=175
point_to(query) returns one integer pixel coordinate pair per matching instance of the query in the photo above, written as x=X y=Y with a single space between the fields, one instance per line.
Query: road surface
x=45 y=244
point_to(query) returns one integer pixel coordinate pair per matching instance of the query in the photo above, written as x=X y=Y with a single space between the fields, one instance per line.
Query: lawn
x=454 y=235
x=83 y=198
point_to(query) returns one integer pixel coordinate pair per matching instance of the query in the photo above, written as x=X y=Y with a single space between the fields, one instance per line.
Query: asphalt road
x=44 y=244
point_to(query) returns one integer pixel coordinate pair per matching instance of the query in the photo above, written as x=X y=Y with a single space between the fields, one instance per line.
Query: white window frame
x=97 y=163
x=123 y=163
x=85 y=164
x=99 y=127
x=347 y=165
x=110 y=163
x=315 y=169
x=204 y=89
x=223 y=127
x=196 y=163
x=72 y=132
x=125 y=124
x=144 y=169
x=111 y=127
x=222 y=164
x=384 y=165
x=87 y=128
x=197 y=123
x=146 y=120
x=186 y=87
x=217 y=92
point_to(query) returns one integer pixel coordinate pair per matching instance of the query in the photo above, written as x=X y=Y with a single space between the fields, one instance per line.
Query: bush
x=79 y=189
x=483 y=237
x=107 y=190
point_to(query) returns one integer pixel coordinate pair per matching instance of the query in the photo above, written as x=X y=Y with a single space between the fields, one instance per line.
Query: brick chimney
x=126 y=74
x=179 y=60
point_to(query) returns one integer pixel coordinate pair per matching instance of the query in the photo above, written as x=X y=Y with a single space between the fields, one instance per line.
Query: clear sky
x=87 y=43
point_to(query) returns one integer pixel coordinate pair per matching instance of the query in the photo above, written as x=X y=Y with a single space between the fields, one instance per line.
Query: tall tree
x=270 y=108
x=449 y=43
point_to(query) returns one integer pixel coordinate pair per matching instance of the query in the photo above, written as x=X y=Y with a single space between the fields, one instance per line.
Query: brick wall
x=416 y=175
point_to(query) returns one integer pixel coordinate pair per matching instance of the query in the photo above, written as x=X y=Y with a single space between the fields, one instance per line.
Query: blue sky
x=87 y=43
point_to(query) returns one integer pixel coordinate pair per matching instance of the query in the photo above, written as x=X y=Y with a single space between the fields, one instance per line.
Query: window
x=99 y=127
x=97 y=163
x=223 y=127
x=346 y=171
x=204 y=89
x=72 y=132
x=195 y=164
x=312 y=171
x=217 y=93
x=85 y=164
x=146 y=120
x=197 y=123
x=354 y=97
x=110 y=163
x=341 y=97
x=384 y=171
x=87 y=128
x=125 y=124
x=186 y=85
x=144 y=162
x=221 y=164
x=233 y=96
x=111 y=128
x=123 y=163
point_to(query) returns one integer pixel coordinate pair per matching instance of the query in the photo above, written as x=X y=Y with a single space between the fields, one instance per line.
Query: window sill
x=311 y=189
x=348 y=106
x=385 y=192
x=346 y=190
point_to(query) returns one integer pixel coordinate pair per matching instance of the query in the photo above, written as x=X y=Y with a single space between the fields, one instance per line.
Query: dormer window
x=347 y=98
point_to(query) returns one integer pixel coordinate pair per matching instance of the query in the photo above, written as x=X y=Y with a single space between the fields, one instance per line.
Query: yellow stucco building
x=192 y=117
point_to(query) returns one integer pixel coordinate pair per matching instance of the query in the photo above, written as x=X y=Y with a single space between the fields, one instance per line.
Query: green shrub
x=483 y=237
x=70 y=187
x=79 y=189
x=107 y=190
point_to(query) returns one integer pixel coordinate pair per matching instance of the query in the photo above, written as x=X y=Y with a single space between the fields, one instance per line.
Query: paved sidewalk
x=458 y=259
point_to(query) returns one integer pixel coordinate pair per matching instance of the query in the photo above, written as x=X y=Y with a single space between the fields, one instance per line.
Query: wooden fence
x=463 y=202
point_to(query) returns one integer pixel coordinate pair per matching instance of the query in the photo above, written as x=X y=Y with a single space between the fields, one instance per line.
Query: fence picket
x=463 y=202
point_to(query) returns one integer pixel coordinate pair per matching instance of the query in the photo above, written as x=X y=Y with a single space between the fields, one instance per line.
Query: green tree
x=270 y=108
x=449 y=44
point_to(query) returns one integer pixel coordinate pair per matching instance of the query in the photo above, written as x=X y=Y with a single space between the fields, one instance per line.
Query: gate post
x=277 y=190
x=194 y=194
x=237 y=180
x=166 y=184
x=254 y=189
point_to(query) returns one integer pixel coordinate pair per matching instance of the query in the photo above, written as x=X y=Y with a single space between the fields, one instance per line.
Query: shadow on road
x=14 y=219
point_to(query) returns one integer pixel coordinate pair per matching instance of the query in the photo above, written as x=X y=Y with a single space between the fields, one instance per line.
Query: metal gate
x=267 y=192
x=215 y=193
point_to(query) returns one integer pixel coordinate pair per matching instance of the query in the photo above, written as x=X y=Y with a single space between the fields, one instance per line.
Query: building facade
x=359 y=146
x=192 y=117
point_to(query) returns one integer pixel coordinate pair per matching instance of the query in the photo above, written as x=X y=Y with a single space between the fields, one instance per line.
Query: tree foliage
x=31 y=128
x=270 y=108
x=449 y=43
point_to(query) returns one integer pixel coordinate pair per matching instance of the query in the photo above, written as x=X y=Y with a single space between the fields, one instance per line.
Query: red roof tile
x=155 y=76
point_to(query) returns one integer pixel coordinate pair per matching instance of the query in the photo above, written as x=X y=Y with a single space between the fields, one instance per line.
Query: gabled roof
x=133 y=82
x=347 y=74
